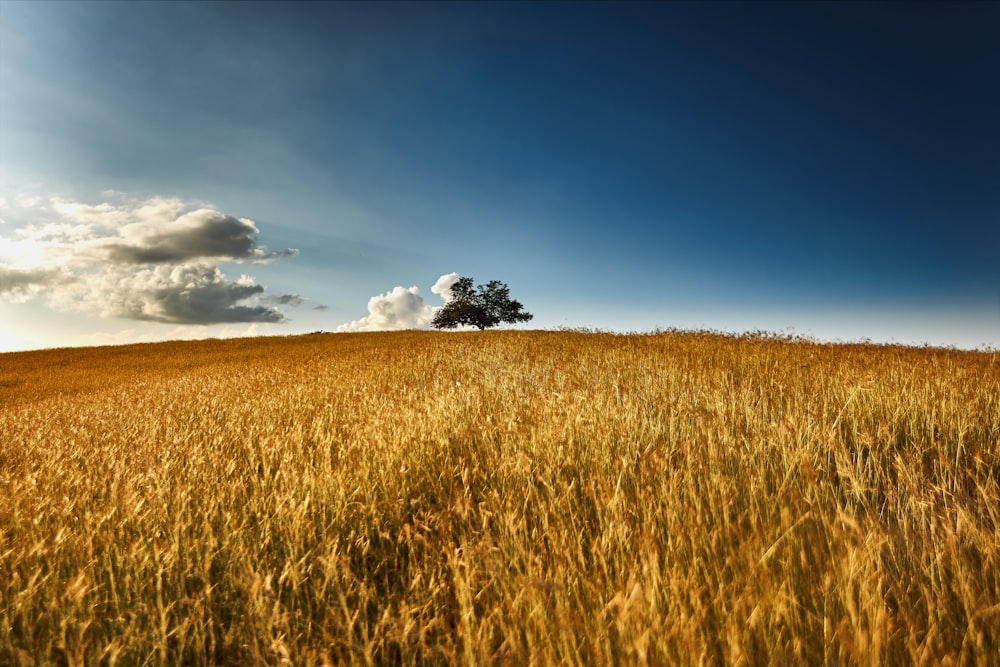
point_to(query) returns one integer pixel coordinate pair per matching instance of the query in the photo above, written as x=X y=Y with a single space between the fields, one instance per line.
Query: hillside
x=507 y=497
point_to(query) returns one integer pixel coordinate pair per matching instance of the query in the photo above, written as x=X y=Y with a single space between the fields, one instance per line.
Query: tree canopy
x=483 y=306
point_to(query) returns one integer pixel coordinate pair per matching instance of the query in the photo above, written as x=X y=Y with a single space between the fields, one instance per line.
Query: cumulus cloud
x=401 y=308
x=187 y=294
x=19 y=285
x=443 y=286
x=200 y=234
x=152 y=260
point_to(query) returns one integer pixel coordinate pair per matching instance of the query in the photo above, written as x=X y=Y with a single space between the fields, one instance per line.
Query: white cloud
x=443 y=286
x=26 y=201
x=151 y=260
x=401 y=308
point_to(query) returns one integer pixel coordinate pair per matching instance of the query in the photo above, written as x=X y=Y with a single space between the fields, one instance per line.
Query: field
x=500 y=498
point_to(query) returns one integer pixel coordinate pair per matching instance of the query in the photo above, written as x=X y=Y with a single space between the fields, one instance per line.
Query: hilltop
x=500 y=497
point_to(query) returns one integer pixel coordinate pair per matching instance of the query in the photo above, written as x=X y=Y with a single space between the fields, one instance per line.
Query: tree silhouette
x=484 y=306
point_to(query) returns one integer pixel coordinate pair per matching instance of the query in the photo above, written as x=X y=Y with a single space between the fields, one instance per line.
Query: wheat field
x=506 y=497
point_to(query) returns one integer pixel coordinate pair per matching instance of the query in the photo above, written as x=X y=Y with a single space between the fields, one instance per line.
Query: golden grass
x=500 y=498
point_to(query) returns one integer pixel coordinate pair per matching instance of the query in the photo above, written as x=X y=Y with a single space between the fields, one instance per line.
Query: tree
x=483 y=306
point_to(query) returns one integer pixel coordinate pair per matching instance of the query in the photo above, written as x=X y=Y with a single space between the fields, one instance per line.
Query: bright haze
x=189 y=170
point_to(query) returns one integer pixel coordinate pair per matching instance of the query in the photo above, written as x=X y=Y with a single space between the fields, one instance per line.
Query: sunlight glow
x=11 y=342
x=20 y=254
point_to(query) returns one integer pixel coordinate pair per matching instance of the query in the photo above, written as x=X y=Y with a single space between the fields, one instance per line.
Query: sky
x=193 y=170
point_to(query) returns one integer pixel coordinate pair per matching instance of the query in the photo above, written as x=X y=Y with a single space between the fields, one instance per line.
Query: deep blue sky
x=829 y=167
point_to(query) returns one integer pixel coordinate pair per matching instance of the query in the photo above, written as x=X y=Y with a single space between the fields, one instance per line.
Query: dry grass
x=500 y=498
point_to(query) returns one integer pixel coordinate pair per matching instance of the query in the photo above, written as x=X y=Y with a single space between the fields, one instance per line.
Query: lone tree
x=483 y=306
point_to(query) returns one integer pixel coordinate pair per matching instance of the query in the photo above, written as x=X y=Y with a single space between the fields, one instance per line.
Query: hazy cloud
x=401 y=308
x=19 y=285
x=286 y=300
x=151 y=260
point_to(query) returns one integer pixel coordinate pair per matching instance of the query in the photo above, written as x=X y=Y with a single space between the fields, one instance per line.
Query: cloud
x=443 y=286
x=19 y=285
x=401 y=308
x=201 y=234
x=286 y=300
x=188 y=294
x=152 y=260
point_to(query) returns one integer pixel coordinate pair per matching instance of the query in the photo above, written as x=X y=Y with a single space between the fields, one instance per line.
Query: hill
x=500 y=497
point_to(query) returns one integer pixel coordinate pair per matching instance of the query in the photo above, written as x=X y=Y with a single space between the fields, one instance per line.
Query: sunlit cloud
x=401 y=308
x=443 y=286
x=151 y=260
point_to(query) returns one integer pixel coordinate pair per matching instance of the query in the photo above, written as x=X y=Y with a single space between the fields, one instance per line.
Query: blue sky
x=174 y=170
